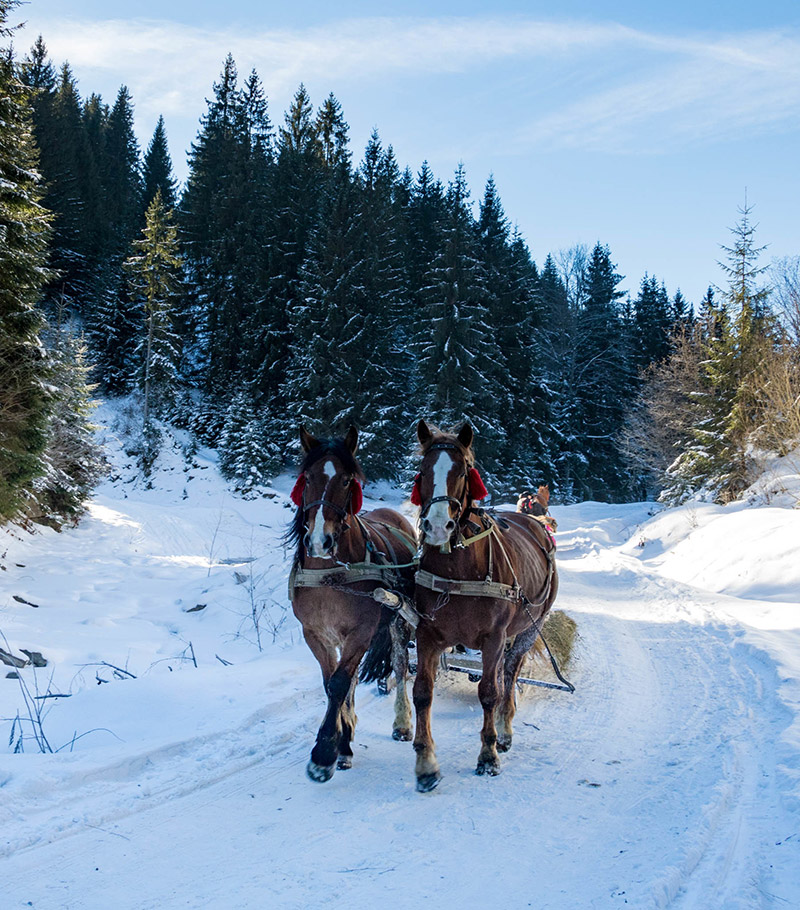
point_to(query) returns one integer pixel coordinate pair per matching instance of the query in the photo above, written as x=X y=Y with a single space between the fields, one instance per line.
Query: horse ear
x=465 y=435
x=424 y=434
x=307 y=441
x=351 y=439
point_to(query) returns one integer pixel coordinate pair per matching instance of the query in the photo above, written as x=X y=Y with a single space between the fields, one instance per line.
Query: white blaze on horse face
x=439 y=513
x=316 y=530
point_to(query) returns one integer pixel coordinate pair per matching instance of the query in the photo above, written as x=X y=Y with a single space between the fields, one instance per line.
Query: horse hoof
x=402 y=734
x=320 y=773
x=503 y=745
x=428 y=782
x=492 y=768
x=345 y=762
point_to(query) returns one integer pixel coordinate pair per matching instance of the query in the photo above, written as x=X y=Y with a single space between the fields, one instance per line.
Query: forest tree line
x=286 y=283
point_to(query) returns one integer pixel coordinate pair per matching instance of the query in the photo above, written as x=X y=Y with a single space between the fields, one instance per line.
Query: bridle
x=341 y=511
x=461 y=505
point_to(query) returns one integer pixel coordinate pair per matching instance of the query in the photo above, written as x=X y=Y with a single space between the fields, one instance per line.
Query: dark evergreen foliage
x=48 y=461
x=157 y=171
x=320 y=291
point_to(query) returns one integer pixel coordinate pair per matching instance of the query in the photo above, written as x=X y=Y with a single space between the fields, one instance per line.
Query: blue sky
x=636 y=124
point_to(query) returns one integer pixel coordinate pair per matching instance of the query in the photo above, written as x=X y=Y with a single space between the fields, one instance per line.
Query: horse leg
x=401 y=632
x=427 y=768
x=326 y=749
x=510 y=671
x=348 y=722
x=489 y=695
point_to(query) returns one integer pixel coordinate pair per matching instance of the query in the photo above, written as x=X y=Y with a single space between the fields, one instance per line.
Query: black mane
x=336 y=447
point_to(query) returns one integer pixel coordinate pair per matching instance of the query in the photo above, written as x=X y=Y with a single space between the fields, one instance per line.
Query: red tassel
x=297 y=491
x=356 y=497
x=477 y=490
x=415 y=497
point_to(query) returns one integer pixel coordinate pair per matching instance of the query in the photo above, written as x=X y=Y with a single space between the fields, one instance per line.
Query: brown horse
x=341 y=558
x=485 y=584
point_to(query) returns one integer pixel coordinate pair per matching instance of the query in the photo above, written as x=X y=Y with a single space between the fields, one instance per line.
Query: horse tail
x=377 y=662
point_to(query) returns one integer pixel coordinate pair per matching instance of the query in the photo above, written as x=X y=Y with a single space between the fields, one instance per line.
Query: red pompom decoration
x=356 y=497
x=476 y=488
x=415 y=497
x=297 y=491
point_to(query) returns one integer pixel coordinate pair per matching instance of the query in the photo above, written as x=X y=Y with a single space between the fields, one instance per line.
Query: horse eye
x=346 y=481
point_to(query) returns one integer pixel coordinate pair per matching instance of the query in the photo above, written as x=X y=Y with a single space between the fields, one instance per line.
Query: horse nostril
x=450 y=525
x=426 y=525
x=327 y=542
x=306 y=541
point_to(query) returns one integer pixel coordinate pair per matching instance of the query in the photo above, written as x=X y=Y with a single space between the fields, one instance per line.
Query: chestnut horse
x=486 y=584
x=341 y=558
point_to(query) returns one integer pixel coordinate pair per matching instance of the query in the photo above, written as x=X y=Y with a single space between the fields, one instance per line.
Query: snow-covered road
x=670 y=779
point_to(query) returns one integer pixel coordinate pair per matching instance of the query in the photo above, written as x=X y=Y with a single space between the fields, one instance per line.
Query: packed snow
x=181 y=704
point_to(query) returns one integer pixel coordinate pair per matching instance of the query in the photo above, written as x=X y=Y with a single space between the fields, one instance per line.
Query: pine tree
x=157 y=171
x=24 y=233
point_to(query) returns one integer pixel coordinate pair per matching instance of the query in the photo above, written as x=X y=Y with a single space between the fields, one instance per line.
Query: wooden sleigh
x=461 y=660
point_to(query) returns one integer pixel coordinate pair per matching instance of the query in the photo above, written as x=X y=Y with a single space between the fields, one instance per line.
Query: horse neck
x=463 y=563
x=352 y=543
x=352 y=548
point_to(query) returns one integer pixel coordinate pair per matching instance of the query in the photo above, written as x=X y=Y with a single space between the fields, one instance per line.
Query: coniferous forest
x=294 y=280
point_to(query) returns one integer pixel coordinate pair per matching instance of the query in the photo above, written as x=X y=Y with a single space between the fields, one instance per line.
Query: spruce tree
x=456 y=350
x=24 y=233
x=157 y=171
x=652 y=322
x=605 y=377
x=74 y=462
x=331 y=131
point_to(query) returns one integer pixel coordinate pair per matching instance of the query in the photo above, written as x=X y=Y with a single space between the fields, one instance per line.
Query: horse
x=486 y=584
x=341 y=558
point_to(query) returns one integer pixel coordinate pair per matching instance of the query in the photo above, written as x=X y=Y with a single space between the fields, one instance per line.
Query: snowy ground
x=671 y=777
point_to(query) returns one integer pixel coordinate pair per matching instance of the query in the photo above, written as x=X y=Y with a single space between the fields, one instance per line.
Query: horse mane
x=293 y=536
x=451 y=438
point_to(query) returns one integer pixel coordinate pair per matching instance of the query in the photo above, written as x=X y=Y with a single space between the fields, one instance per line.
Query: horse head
x=543 y=495
x=447 y=482
x=327 y=492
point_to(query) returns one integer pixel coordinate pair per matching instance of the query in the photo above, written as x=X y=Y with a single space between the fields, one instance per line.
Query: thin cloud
x=649 y=89
x=700 y=92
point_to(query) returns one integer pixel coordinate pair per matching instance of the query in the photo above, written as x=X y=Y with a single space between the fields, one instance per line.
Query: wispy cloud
x=689 y=92
x=649 y=89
